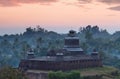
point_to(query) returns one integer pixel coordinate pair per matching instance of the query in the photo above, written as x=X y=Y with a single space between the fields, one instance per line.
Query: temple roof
x=64 y=58
x=74 y=49
x=72 y=33
x=71 y=37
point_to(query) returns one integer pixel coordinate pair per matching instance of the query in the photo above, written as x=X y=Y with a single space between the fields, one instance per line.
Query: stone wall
x=61 y=65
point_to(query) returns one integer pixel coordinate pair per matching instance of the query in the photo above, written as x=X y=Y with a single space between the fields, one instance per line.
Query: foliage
x=11 y=73
x=105 y=72
x=15 y=47
x=64 y=75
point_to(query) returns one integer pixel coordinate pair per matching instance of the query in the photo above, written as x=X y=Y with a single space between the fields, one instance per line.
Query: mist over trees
x=14 y=47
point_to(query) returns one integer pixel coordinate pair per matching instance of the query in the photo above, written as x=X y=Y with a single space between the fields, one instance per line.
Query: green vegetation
x=98 y=70
x=105 y=72
x=14 y=47
x=64 y=75
x=11 y=73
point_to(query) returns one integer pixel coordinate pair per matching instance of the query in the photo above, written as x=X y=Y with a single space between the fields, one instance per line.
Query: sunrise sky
x=58 y=15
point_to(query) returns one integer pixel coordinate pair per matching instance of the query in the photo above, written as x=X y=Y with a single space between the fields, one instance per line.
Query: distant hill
x=14 y=47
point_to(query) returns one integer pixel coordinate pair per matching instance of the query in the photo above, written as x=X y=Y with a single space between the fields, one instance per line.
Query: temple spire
x=72 y=33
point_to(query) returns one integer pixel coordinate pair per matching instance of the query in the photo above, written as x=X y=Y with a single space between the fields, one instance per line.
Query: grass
x=97 y=71
x=105 y=71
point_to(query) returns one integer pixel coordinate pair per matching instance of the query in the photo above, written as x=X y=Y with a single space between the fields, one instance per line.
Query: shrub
x=64 y=75
x=11 y=73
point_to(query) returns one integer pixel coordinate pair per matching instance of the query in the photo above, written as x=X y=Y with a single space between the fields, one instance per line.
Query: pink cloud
x=84 y=1
x=18 y=2
x=110 y=1
x=117 y=8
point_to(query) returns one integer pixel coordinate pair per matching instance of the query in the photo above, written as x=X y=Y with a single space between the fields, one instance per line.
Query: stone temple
x=70 y=57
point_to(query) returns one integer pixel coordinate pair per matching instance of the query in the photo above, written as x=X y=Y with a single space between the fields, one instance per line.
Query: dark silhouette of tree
x=39 y=29
x=29 y=30
x=95 y=29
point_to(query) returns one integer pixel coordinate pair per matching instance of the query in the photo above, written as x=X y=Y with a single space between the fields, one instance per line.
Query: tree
x=102 y=54
x=84 y=46
x=57 y=44
x=88 y=35
x=74 y=75
x=88 y=32
x=95 y=29
x=88 y=28
x=29 y=31
x=39 y=43
x=25 y=48
x=39 y=29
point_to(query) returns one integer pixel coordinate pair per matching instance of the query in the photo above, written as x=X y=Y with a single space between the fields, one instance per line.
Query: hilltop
x=14 y=47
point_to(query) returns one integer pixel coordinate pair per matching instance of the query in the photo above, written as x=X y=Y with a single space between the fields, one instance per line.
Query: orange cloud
x=18 y=2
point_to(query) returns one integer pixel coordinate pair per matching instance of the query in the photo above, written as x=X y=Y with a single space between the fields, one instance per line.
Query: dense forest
x=14 y=47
